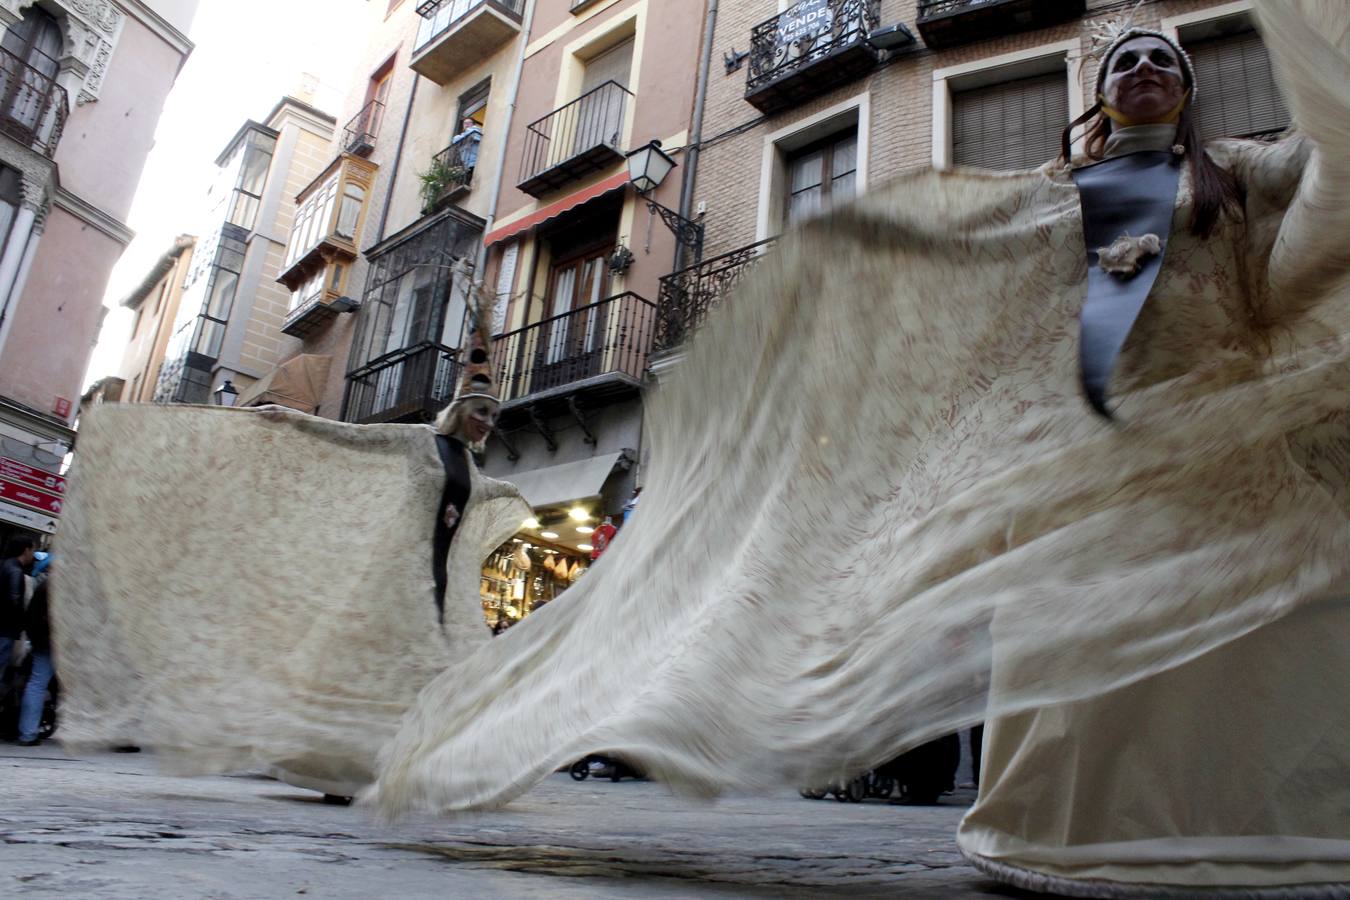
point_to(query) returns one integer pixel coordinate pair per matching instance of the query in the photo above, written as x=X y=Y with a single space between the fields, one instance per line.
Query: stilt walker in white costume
x=256 y=588
x=879 y=509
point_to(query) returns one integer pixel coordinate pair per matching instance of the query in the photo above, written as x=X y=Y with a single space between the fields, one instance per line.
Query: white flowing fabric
x=875 y=486
x=253 y=588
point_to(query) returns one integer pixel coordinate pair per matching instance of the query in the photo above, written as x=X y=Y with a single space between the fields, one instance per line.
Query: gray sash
x=1132 y=195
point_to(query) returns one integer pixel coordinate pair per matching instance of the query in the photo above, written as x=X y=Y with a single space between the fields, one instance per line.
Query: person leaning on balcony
x=469 y=137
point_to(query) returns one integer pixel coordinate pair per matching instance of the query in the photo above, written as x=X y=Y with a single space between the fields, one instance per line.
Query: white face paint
x=479 y=420
x=1144 y=80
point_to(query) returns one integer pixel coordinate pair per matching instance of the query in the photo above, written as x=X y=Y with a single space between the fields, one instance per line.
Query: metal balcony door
x=35 y=42
x=599 y=116
x=573 y=341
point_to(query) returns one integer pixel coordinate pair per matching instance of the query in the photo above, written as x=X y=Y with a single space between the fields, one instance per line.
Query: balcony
x=409 y=385
x=358 y=138
x=456 y=35
x=809 y=49
x=598 y=349
x=947 y=23
x=582 y=137
x=329 y=215
x=448 y=179
x=687 y=296
x=33 y=107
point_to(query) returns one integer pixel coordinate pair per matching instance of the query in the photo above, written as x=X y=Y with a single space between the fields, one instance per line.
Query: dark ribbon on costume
x=456 y=491
x=1131 y=195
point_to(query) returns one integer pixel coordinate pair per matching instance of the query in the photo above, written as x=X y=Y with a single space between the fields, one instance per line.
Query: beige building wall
x=155 y=303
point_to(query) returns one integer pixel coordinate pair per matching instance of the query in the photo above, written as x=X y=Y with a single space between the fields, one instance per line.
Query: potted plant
x=439 y=180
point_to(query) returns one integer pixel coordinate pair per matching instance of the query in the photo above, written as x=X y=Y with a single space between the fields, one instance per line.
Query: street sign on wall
x=31 y=497
x=22 y=473
x=28 y=518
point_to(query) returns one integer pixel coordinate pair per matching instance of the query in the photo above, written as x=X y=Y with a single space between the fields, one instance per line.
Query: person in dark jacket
x=38 y=626
x=18 y=557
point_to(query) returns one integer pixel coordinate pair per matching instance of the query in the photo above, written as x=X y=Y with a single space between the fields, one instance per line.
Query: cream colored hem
x=1182 y=867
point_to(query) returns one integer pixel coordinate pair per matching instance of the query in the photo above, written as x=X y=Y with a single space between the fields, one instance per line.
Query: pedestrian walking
x=18 y=557
x=37 y=625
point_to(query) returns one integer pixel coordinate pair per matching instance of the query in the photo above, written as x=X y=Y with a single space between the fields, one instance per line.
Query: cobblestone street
x=111 y=826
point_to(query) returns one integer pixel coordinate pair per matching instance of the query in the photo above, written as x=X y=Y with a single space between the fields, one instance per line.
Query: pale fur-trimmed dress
x=879 y=509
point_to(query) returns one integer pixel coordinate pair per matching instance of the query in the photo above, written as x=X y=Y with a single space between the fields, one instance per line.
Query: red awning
x=557 y=208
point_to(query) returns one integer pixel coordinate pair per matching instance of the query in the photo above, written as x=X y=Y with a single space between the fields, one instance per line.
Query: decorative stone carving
x=101 y=12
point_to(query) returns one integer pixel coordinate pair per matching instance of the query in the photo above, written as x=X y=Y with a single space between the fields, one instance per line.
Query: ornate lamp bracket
x=688 y=233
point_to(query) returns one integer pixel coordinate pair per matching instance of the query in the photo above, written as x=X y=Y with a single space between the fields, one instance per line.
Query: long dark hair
x=1214 y=190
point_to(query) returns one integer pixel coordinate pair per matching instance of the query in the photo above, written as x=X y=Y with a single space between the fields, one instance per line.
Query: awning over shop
x=557 y=208
x=556 y=485
x=298 y=383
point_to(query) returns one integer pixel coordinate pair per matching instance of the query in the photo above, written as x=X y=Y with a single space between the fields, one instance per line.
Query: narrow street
x=112 y=826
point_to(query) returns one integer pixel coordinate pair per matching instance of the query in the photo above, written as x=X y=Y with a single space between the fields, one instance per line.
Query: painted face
x=479 y=420
x=1144 y=79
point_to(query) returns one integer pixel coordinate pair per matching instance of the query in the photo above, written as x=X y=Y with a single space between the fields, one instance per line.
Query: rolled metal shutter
x=1011 y=125
x=1237 y=96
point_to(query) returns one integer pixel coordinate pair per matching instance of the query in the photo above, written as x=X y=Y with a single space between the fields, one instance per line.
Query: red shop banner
x=21 y=473
x=35 y=499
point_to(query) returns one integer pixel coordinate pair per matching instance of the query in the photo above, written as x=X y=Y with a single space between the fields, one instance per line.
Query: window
x=220 y=292
x=34 y=44
x=408 y=298
x=1239 y=97
x=819 y=174
x=473 y=104
x=1010 y=125
x=353 y=198
x=255 y=158
x=378 y=92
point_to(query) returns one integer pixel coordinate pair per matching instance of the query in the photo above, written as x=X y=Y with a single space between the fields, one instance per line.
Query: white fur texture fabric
x=876 y=487
x=253 y=588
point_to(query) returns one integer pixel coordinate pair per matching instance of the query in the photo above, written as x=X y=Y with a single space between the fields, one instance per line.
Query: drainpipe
x=398 y=158
x=696 y=135
x=480 y=262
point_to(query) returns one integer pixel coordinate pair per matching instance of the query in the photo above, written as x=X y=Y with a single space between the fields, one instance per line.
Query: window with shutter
x=1011 y=125
x=1238 y=96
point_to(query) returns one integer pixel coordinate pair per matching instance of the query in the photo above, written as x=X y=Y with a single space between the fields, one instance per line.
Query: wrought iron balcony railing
x=33 y=107
x=358 y=137
x=946 y=23
x=411 y=384
x=449 y=178
x=609 y=339
x=808 y=49
x=456 y=35
x=687 y=296
x=582 y=137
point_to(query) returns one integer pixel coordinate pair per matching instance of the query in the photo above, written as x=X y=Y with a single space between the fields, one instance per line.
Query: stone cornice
x=140 y=11
x=90 y=214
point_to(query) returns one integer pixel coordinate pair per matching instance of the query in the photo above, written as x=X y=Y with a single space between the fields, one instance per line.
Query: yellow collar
x=1125 y=121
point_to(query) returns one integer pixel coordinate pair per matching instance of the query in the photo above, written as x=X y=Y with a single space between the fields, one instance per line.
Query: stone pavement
x=111 y=826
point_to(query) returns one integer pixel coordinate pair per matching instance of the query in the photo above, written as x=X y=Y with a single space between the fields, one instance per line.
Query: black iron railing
x=612 y=336
x=33 y=107
x=359 y=135
x=411 y=384
x=450 y=174
x=582 y=136
x=805 y=34
x=947 y=23
x=687 y=296
x=439 y=16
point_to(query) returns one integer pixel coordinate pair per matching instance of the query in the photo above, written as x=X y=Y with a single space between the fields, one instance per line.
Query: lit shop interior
x=553 y=548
